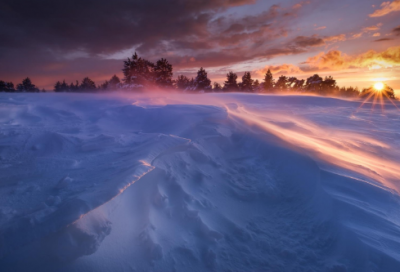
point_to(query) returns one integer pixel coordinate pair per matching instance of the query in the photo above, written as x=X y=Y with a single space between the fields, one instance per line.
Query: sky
x=355 y=41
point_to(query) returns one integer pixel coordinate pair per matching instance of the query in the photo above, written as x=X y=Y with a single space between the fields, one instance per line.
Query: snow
x=201 y=182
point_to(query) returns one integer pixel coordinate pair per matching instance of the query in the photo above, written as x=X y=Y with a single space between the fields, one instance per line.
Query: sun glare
x=376 y=94
x=378 y=86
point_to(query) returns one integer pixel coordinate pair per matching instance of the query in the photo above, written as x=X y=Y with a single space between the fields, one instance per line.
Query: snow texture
x=210 y=182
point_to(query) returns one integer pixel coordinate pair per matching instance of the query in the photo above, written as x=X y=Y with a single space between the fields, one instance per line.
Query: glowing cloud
x=372 y=28
x=386 y=8
x=336 y=59
x=280 y=69
x=337 y=38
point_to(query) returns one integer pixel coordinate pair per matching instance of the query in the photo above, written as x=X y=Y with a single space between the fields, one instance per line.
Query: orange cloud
x=386 y=8
x=367 y=29
x=301 y=4
x=372 y=28
x=280 y=69
x=337 y=38
x=336 y=60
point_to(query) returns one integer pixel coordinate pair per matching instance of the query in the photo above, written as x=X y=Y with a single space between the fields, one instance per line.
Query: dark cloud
x=104 y=26
x=68 y=39
x=396 y=31
x=47 y=33
x=303 y=41
x=383 y=40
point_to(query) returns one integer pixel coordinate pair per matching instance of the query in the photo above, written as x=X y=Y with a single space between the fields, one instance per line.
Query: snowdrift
x=227 y=182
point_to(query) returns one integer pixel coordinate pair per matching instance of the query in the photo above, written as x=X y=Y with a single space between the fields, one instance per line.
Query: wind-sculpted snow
x=227 y=182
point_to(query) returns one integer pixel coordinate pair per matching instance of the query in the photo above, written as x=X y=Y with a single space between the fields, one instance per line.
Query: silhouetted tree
x=64 y=87
x=104 y=86
x=230 y=85
x=6 y=86
x=27 y=86
x=138 y=72
x=114 y=82
x=182 y=82
x=349 y=92
x=57 y=87
x=163 y=73
x=314 y=83
x=291 y=82
x=296 y=84
x=268 y=81
x=282 y=83
x=202 y=82
x=256 y=85
x=191 y=85
x=217 y=87
x=10 y=87
x=328 y=85
x=74 y=87
x=247 y=82
x=130 y=68
x=2 y=86
x=87 y=85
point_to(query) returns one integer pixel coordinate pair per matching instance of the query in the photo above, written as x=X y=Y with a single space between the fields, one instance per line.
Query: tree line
x=139 y=73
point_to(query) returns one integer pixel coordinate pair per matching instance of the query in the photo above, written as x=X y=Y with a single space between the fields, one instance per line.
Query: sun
x=379 y=86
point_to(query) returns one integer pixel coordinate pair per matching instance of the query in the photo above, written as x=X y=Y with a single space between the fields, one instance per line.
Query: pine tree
x=73 y=87
x=64 y=87
x=145 y=72
x=256 y=85
x=202 y=83
x=76 y=88
x=247 y=82
x=138 y=71
x=217 y=87
x=57 y=87
x=328 y=85
x=281 y=84
x=27 y=86
x=314 y=83
x=268 y=81
x=163 y=73
x=104 y=86
x=87 y=84
x=182 y=82
x=230 y=84
x=114 y=82
x=130 y=67
x=3 y=86
x=191 y=85
x=10 y=87
x=291 y=81
x=295 y=84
